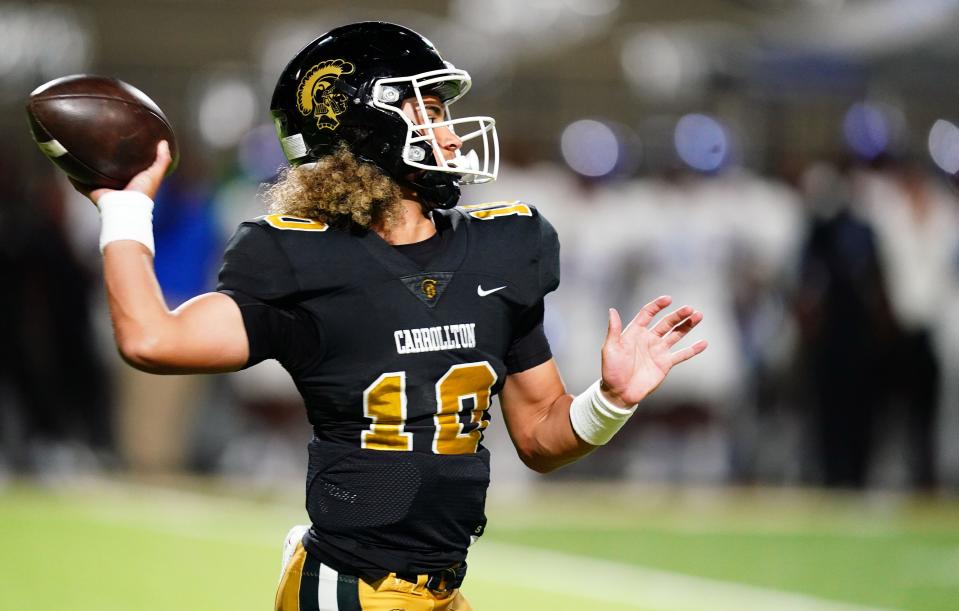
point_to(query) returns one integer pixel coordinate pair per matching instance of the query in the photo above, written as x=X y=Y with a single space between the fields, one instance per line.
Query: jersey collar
x=448 y=260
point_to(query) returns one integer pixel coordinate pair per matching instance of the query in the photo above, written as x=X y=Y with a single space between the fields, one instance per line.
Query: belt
x=444 y=580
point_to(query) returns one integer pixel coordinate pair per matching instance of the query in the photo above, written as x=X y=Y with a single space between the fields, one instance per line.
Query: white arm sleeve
x=594 y=418
x=126 y=215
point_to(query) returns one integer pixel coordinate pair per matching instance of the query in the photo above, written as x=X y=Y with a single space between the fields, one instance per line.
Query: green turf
x=117 y=547
x=874 y=551
x=118 y=553
x=490 y=595
x=897 y=571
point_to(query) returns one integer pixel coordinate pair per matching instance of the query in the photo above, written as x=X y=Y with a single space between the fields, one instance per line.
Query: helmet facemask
x=477 y=161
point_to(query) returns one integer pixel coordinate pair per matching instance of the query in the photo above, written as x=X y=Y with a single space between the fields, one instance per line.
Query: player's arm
x=535 y=408
x=206 y=334
x=551 y=428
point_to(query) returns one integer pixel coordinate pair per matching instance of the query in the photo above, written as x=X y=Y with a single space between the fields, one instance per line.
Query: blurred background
x=782 y=165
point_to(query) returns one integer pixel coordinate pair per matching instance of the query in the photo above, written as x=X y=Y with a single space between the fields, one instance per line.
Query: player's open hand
x=636 y=361
x=146 y=182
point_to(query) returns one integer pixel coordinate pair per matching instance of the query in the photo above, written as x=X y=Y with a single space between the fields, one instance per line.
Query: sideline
x=623 y=584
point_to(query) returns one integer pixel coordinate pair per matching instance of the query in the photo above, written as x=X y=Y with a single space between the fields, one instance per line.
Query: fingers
x=684 y=355
x=649 y=311
x=148 y=181
x=671 y=320
x=678 y=332
x=615 y=327
x=162 y=161
x=163 y=155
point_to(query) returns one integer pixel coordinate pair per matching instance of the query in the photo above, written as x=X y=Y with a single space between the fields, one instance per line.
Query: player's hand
x=636 y=361
x=146 y=182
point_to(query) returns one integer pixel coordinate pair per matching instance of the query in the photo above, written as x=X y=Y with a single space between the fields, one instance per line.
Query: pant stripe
x=309 y=583
x=327 y=589
x=348 y=594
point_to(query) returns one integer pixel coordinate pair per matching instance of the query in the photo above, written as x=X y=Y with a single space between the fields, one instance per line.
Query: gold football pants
x=309 y=585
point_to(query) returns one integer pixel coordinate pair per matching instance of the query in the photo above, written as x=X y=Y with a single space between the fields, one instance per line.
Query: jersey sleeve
x=276 y=332
x=258 y=277
x=255 y=264
x=529 y=346
x=548 y=257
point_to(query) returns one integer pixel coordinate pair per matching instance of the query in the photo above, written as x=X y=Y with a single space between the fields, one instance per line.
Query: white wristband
x=594 y=418
x=126 y=215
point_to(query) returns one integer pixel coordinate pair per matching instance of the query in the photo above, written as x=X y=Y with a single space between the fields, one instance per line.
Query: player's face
x=446 y=141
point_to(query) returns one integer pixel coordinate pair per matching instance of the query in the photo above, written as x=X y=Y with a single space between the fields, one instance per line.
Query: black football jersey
x=397 y=364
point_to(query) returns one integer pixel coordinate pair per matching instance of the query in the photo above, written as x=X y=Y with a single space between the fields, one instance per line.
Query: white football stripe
x=52 y=148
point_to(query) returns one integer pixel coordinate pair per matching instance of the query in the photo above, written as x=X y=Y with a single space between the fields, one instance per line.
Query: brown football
x=100 y=131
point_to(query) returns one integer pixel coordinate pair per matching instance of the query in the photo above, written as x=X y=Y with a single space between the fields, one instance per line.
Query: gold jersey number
x=463 y=388
x=295 y=223
x=494 y=210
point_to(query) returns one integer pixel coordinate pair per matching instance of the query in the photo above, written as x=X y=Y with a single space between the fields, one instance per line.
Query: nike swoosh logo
x=482 y=293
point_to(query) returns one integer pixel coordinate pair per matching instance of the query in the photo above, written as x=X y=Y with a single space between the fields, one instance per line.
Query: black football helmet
x=349 y=86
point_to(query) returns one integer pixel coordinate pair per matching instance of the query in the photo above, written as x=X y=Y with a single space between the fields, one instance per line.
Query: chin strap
x=438 y=189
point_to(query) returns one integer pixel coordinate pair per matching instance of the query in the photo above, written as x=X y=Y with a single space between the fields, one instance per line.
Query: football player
x=398 y=315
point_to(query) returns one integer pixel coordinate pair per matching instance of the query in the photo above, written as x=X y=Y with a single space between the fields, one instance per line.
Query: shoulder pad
x=495 y=210
x=255 y=264
x=518 y=228
x=277 y=256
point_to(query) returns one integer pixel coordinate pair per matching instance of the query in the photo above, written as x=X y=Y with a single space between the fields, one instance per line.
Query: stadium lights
x=590 y=148
x=701 y=142
x=226 y=111
x=866 y=130
x=944 y=146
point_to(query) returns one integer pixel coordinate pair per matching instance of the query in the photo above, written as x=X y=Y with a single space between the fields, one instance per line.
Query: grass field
x=194 y=546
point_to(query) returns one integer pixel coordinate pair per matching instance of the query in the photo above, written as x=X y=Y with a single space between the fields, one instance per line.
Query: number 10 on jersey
x=385 y=403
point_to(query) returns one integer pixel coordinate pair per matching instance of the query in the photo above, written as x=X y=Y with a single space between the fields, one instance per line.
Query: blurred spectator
x=917 y=230
x=846 y=328
x=705 y=239
x=53 y=377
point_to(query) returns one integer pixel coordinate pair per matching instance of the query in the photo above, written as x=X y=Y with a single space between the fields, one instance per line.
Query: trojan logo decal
x=316 y=96
x=428 y=287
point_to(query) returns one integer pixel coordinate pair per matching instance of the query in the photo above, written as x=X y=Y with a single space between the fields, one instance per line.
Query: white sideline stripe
x=533 y=568
x=627 y=584
x=326 y=589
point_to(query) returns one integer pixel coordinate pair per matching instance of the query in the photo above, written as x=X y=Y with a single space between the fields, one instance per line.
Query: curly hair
x=339 y=190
